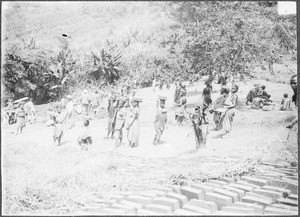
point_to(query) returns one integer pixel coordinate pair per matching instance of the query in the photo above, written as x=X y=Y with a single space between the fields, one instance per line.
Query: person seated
x=286 y=104
x=253 y=93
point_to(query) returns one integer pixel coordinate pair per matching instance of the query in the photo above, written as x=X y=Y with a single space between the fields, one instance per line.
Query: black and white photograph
x=149 y=108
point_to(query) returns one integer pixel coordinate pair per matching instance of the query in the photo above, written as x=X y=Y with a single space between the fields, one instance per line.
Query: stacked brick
x=269 y=191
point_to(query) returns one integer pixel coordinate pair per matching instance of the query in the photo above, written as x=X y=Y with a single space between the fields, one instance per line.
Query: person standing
x=206 y=94
x=160 y=120
x=69 y=110
x=133 y=124
x=293 y=83
x=120 y=121
x=59 y=124
x=85 y=102
x=111 y=109
x=219 y=102
x=95 y=103
x=180 y=110
x=30 y=111
x=229 y=111
x=21 y=115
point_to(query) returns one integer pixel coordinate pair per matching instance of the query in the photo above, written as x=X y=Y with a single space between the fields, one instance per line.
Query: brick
x=93 y=208
x=282 y=206
x=164 y=189
x=227 y=180
x=287 y=201
x=217 y=182
x=292 y=177
x=118 y=198
x=201 y=186
x=277 y=183
x=184 y=212
x=259 y=195
x=293 y=196
x=221 y=213
x=273 y=188
x=140 y=199
x=243 y=187
x=235 y=209
x=219 y=199
x=213 y=185
x=240 y=192
x=148 y=194
x=181 y=198
x=258 y=200
x=295 y=182
x=159 y=209
x=158 y=193
x=253 y=180
x=286 y=172
x=248 y=184
x=126 y=193
x=173 y=203
x=145 y=212
x=192 y=193
x=268 y=193
x=176 y=188
x=132 y=204
x=110 y=211
x=204 y=204
x=126 y=209
x=257 y=208
x=277 y=211
x=291 y=185
x=234 y=196
x=196 y=209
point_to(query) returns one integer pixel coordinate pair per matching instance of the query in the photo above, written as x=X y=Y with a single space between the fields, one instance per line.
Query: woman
x=218 y=104
x=111 y=109
x=21 y=114
x=120 y=118
x=133 y=123
x=181 y=105
x=59 y=125
x=229 y=111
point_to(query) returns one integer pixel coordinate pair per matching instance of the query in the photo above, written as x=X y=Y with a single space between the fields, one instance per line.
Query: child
x=160 y=120
x=200 y=124
x=59 y=121
x=286 y=104
x=21 y=114
x=112 y=107
x=85 y=138
x=181 y=105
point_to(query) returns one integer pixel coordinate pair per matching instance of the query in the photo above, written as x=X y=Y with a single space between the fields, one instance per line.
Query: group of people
x=123 y=112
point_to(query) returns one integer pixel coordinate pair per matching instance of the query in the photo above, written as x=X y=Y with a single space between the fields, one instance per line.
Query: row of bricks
x=216 y=193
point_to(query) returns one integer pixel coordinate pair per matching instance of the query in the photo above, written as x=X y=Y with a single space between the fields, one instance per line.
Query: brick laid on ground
x=282 y=206
x=159 y=208
x=204 y=204
x=196 y=209
x=213 y=185
x=253 y=180
x=93 y=208
x=132 y=204
x=176 y=188
x=235 y=209
x=287 y=201
x=247 y=184
x=192 y=193
x=146 y=212
x=184 y=212
x=240 y=192
x=243 y=187
x=284 y=184
x=273 y=188
x=234 y=196
x=293 y=196
x=148 y=194
x=257 y=208
x=258 y=200
x=110 y=211
x=126 y=209
x=290 y=180
x=294 y=177
x=173 y=203
x=268 y=193
x=227 y=180
x=259 y=195
x=201 y=186
x=219 y=182
x=164 y=189
x=139 y=199
x=117 y=197
x=277 y=211
x=181 y=198
x=158 y=193
x=219 y=199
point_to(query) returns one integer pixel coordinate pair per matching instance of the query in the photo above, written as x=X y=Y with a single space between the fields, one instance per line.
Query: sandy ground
x=33 y=152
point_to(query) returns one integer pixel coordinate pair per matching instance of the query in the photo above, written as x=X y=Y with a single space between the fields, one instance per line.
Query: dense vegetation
x=51 y=49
